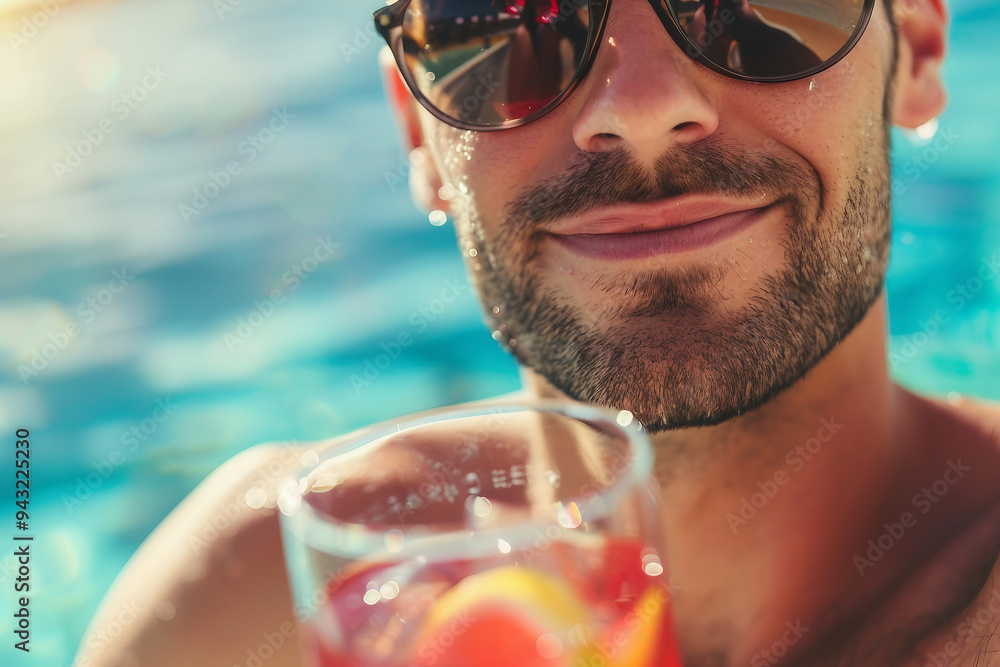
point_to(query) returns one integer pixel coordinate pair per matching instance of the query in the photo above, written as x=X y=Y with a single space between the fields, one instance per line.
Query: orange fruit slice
x=507 y=617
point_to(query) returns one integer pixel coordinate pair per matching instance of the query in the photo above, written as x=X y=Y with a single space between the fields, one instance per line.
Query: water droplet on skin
x=751 y=239
x=496 y=310
x=473 y=252
x=813 y=85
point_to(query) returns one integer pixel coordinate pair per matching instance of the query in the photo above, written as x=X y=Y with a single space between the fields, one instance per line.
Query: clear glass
x=498 y=534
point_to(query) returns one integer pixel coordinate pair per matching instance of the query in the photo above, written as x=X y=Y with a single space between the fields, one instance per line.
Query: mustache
x=598 y=180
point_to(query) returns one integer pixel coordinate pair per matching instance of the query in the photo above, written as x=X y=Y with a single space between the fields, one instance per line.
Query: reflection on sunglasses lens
x=770 y=38
x=487 y=62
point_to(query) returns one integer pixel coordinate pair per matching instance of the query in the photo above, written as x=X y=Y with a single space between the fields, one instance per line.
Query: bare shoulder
x=970 y=428
x=970 y=637
x=981 y=411
x=208 y=586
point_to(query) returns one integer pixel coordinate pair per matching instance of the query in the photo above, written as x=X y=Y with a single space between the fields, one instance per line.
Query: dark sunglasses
x=495 y=64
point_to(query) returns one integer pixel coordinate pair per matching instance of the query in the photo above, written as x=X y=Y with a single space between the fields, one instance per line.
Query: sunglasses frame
x=389 y=23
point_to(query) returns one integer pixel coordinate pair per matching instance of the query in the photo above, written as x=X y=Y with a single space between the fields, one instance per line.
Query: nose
x=642 y=92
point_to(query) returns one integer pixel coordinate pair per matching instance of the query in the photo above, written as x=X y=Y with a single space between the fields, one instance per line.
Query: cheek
x=832 y=118
x=829 y=123
x=491 y=168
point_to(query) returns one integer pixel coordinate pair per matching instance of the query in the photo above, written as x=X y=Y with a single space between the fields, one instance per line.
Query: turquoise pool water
x=235 y=246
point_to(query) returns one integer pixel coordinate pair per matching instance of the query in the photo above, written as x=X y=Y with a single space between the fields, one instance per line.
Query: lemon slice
x=506 y=617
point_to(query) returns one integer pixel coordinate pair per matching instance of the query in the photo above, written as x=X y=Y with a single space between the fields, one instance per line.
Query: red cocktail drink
x=606 y=608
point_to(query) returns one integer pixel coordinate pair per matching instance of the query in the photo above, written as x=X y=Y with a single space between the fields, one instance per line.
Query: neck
x=764 y=513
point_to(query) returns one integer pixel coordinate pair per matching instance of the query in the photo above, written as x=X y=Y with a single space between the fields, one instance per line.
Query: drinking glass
x=496 y=535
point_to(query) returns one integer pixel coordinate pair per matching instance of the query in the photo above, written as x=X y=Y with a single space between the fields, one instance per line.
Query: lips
x=636 y=231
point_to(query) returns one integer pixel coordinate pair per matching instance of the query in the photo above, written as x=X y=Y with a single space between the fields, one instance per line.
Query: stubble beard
x=669 y=351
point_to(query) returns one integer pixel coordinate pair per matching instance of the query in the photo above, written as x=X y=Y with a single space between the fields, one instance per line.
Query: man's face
x=681 y=329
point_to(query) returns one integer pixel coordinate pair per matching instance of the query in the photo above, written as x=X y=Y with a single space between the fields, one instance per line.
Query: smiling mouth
x=640 y=244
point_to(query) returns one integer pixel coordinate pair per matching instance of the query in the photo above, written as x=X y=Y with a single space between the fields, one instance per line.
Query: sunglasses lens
x=768 y=39
x=487 y=62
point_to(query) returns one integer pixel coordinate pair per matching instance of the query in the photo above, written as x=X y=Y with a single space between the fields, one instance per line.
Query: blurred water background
x=207 y=242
